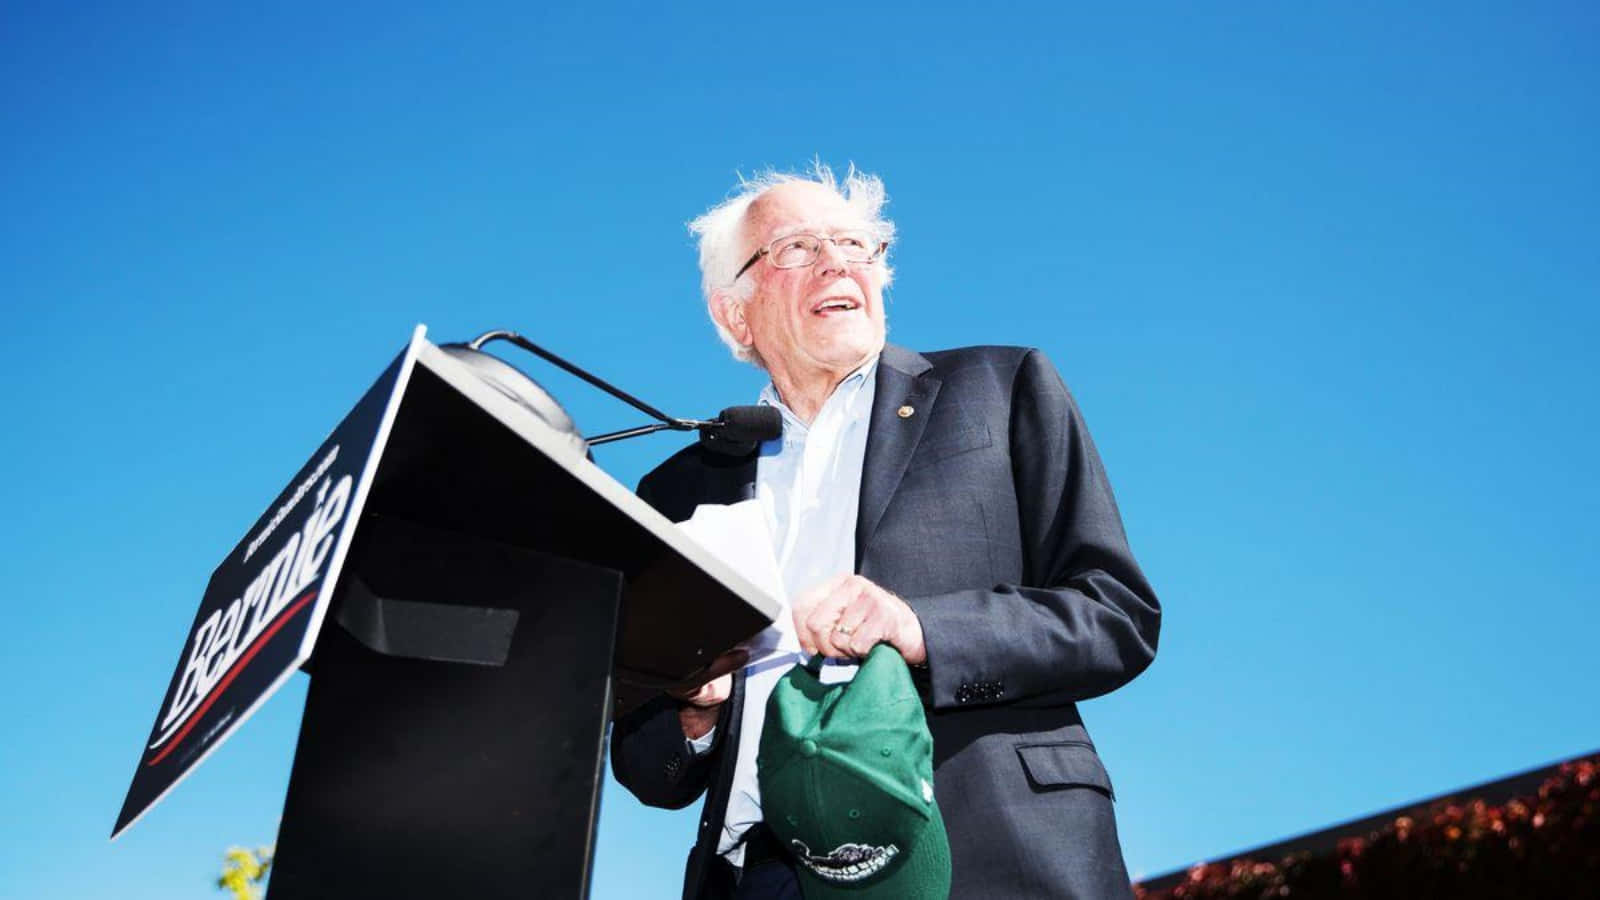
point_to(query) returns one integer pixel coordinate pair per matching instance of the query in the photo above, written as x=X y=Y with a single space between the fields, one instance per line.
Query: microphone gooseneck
x=736 y=431
x=511 y=336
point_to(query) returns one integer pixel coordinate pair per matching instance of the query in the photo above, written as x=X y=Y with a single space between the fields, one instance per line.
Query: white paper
x=737 y=534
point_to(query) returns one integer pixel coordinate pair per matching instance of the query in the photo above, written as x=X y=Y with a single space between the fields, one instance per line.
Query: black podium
x=495 y=598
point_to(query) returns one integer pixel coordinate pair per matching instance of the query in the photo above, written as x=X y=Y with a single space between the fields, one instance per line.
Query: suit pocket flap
x=1064 y=765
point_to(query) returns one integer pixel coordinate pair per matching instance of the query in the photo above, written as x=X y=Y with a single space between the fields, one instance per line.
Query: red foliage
x=1547 y=845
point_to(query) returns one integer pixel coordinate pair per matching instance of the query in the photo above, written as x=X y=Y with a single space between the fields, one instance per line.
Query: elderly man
x=949 y=504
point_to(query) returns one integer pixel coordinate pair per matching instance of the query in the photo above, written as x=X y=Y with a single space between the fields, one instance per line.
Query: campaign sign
x=259 y=618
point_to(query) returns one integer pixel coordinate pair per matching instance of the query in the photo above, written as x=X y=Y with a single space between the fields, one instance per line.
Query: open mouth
x=835 y=305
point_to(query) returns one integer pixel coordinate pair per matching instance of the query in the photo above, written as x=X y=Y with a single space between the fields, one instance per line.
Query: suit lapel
x=904 y=380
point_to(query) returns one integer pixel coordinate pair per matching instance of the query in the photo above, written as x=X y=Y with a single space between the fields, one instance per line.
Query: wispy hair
x=720 y=230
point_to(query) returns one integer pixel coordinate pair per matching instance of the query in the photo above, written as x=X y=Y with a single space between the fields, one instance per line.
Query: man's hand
x=702 y=702
x=702 y=706
x=847 y=615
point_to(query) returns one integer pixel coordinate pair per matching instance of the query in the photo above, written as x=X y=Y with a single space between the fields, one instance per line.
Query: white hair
x=720 y=231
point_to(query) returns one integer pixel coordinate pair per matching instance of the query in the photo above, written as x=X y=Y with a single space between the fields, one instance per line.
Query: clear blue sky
x=1323 y=278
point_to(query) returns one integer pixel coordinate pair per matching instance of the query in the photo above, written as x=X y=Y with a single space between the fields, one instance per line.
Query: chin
x=851 y=353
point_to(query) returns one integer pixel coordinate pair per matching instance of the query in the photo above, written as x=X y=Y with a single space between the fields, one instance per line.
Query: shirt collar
x=848 y=392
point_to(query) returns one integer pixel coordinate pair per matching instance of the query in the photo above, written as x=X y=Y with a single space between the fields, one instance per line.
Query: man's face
x=794 y=319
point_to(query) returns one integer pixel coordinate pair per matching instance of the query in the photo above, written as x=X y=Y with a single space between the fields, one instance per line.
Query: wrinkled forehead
x=799 y=206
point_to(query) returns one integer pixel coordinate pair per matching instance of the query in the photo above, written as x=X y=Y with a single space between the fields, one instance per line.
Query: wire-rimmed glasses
x=794 y=251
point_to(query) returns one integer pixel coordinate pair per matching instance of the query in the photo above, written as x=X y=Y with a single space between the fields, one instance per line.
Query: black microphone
x=738 y=429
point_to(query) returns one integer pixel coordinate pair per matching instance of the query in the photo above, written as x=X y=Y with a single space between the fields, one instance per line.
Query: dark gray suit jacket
x=989 y=512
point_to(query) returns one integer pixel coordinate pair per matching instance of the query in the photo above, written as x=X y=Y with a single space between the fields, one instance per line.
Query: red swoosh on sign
x=238 y=666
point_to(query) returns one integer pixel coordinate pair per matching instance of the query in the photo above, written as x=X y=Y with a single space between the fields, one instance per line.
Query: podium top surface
x=559 y=451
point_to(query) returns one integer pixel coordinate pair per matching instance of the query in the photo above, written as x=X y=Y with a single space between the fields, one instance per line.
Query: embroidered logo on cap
x=847 y=863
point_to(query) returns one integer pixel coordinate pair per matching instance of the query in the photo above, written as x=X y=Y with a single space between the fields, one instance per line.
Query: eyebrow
x=812 y=228
x=787 y=230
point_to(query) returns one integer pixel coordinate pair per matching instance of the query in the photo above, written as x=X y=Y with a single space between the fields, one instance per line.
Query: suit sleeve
x=1087 y=621
x=649 y=754
x=653 y=760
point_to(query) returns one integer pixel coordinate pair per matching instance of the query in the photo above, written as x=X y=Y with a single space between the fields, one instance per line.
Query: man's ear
x=728 y=311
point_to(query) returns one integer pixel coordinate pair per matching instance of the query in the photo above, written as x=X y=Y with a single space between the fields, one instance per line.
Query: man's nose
x=830 y=260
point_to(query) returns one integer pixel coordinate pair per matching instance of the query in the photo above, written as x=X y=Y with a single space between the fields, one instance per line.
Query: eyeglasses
x=794 y=251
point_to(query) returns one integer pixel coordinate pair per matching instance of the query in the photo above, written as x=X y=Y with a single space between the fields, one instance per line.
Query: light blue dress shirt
x=808 y=485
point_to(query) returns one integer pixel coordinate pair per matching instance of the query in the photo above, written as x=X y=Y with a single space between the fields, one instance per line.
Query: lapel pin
x=905 y=412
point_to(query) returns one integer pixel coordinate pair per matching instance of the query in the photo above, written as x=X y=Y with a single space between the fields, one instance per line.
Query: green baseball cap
x=846 y=776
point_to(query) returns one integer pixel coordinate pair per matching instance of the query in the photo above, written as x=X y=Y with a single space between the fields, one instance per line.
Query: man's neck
x=805 y=394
